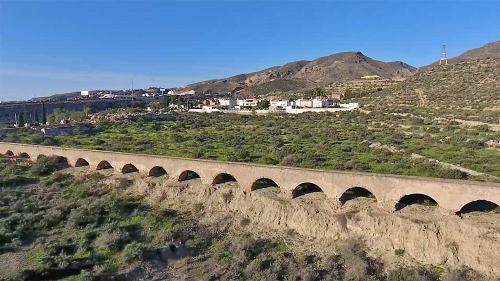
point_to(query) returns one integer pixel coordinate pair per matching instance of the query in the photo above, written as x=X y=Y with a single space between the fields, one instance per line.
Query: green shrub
x=399 y=252
x=46 y=165
x=112 y=240
x=133 y=252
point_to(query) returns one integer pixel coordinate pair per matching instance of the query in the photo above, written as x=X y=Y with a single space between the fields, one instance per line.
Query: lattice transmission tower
x=443 y=56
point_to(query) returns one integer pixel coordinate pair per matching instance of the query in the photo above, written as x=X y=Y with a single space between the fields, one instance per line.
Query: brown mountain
x=490 y=50
x=464 y=88
x=301 y=75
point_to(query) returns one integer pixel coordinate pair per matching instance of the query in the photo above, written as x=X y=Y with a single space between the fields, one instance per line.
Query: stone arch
x=24 y=155
x=356 y=192
x=157 y=171
x=129 y=168
x=305 y=188
x=415 y=198
x=81 y=162
x=188 y=175
x=103 y=165
x=263 y=183
x=63 y=162
x=9 y=153
x=40 y=156
x=223 y=178
x=479 y=206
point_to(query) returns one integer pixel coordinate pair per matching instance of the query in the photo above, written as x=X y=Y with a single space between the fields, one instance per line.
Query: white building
x=107 y=96
x=84 y=93
x=174 y=93
x=113 y=96
x=230 y=103
x=303 y=103
x=350 y=105
x=247 y=102
x=280 y=104
x=319 y=103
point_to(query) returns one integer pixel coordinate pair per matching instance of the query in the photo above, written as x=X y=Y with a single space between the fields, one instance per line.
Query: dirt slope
x=422 y=234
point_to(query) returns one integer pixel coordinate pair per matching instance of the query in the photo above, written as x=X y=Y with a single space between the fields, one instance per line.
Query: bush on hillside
x=46 y=165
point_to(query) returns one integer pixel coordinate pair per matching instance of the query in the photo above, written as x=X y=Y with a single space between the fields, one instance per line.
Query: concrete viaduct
x=450 y=195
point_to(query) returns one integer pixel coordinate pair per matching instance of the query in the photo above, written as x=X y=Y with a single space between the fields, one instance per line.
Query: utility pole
x=443 y=56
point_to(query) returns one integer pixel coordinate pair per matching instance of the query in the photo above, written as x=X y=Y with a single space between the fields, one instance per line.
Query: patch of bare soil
x=11 y=262
x=468 y=123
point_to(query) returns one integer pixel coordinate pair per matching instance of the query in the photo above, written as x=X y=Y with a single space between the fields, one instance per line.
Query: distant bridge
x=389 y=190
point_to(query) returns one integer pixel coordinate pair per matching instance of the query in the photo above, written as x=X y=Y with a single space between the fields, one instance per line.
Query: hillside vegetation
x=376 y=142
x=466 y=86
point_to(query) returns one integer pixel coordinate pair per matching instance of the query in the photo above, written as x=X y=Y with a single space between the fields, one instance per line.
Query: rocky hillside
x=465 y=85
x=490 y=50
x=300 y=75
x=468 y=88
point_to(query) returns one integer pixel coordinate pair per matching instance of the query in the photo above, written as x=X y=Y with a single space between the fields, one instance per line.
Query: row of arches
x=261 y=183
x=360 y=192
x=24 y=155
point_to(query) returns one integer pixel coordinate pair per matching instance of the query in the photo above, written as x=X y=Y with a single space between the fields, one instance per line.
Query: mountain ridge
x=489 y=50
x=304 y=74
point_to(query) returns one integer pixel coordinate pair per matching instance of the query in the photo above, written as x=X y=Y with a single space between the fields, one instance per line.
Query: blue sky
x=49 y=47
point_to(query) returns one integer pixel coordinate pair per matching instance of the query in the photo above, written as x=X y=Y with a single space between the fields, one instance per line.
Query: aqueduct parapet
x=451 y=195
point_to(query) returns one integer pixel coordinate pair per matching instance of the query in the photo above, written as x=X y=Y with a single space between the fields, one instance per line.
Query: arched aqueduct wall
x=451 y=195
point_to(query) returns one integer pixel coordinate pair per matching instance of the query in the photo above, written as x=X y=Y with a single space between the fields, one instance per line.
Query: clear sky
x=49 y=47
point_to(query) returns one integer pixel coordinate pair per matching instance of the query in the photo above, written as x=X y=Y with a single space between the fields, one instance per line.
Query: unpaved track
x=422 y=99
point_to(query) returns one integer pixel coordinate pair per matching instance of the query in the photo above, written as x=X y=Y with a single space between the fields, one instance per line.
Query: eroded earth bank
x=83 y=225
x=416 y=234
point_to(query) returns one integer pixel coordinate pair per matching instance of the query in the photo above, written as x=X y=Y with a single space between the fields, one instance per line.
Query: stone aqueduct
x=450 y=195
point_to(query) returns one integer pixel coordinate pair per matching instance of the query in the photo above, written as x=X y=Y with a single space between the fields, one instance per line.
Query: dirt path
x=421 y=97
x=452 y=166
x=493 y=127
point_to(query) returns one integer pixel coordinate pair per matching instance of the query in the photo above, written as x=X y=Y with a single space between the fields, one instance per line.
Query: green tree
x=87 y=109
x=51 y=118
x=44 y=115
x=35 y=119
x=77 y=116
x=319 y=92
x=20 y=119
x=263 y=104
x=167 y=101
x=60 y=114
